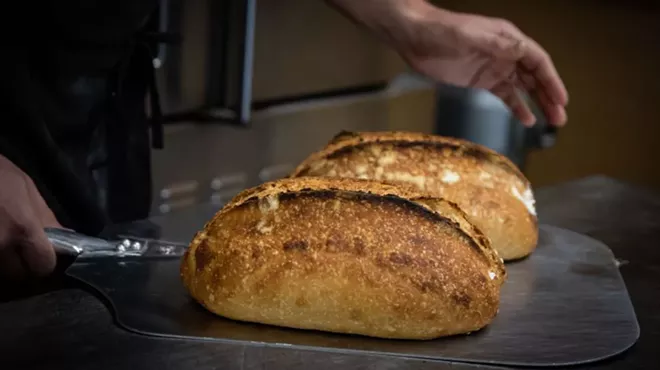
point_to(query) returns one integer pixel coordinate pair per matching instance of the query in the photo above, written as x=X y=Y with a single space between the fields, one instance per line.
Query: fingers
x=510 y=96
x=28 y=236
x=36 y=252
x=11 y=265
x=555 y=113
x=35 y=249
x=537 y=62
x=507 y=42
x=24 y=248
x=539 y=76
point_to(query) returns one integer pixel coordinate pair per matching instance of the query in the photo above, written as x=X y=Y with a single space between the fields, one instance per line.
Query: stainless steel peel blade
x=80 y=246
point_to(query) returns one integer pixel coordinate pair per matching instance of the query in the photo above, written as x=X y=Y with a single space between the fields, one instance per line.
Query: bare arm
x=465 y=50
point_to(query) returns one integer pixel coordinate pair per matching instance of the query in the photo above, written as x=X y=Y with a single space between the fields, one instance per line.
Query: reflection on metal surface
x=204 y=71
x=84 y=247
x=176 y=204
x=230 y=180
x=214 y=156
x=181 y=188
x=220 y=198
x=126 y=245
x=166 y=250
x=405 y=83
x=566 y=304
x=163 y=23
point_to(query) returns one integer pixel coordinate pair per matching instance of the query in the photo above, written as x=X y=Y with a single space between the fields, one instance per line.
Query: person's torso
x=76 y=122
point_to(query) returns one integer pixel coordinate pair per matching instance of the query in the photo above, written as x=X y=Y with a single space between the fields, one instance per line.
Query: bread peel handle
x=72 y=244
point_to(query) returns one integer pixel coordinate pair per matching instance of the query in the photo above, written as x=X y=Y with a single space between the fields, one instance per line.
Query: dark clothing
x=73 y=97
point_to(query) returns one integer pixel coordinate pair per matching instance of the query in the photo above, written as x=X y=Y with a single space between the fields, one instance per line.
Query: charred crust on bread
x=333 y=193
x=343 y=135
x=346 y=142
x=374 y=193
x=460 y=148
x=373 y=266
x=295 y=245
x=462 y=299
x=475 y=234
x=374 y=155
x=203 y=255
x=336 y=243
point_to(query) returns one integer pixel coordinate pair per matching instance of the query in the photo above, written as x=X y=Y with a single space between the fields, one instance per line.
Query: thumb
x=36 y=251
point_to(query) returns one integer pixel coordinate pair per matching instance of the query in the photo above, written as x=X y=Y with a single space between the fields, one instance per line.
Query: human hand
x=24 y=248
x=466 y=50
x=475 y=51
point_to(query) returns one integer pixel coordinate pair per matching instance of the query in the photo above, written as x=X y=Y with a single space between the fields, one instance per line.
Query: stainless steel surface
x=233 y=53
x=479 y=116
x=278 y=138
x=566 y=304
x=245 y=99
x=295 y=51
x=163 y=20
x=71 y=243
x=83 y=247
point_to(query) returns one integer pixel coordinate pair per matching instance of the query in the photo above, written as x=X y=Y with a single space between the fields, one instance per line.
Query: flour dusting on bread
x=487 y=185
x=527 y=198
x=346 y=256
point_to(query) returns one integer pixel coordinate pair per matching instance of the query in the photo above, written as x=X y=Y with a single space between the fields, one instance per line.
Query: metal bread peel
x=80 y=246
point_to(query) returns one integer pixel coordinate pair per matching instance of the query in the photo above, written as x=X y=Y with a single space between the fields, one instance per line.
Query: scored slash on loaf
x=346 y=256
x=485 y=184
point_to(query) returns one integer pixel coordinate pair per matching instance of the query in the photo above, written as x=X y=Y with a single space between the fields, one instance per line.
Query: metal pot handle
x=542 y=135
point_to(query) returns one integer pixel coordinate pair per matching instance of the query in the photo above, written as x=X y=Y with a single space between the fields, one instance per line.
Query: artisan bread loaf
x=345 y=256
x=486 y=185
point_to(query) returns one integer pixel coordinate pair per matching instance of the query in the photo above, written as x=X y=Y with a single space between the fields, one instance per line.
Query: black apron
x=73 y=94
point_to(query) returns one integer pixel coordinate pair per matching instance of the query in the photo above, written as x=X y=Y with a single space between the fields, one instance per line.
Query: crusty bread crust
x=348 y=141
x=485 y=184
x=346 y=256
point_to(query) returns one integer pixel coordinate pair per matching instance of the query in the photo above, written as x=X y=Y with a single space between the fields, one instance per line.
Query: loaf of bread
x=345 y=256
x=486 y=185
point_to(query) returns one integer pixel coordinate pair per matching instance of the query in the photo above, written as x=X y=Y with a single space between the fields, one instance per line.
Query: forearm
x=394 y=21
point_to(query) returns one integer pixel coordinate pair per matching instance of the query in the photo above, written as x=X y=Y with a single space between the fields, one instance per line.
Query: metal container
x=481 y=117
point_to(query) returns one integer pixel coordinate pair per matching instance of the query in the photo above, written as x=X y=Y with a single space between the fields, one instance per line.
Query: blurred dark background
x=308 y=73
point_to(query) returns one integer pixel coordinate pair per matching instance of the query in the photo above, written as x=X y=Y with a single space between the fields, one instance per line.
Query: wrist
x=393 y=21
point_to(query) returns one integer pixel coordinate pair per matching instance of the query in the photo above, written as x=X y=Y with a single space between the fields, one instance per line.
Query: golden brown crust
x=347 y=141
x=456 y=214
x=345 y=256
x=486 y=185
